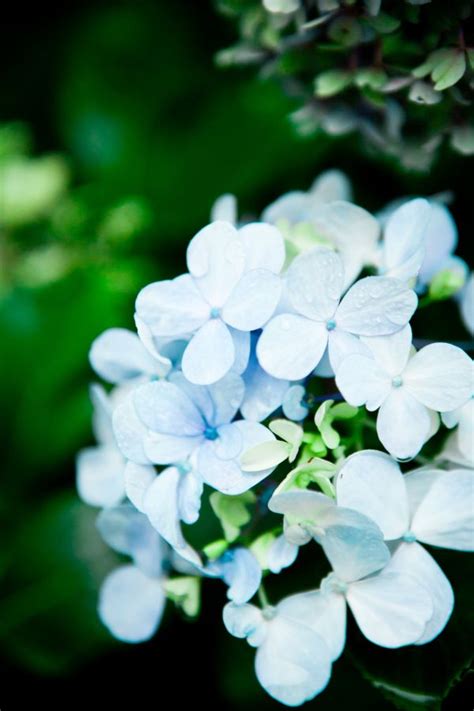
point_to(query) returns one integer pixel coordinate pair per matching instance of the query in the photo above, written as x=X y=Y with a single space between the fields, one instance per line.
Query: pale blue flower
x=263 y=393
x=118 y=355
x=240 y=570
x=232 y=287
x=292 y=344
x=174 y=422
x=425 y=506
x=132 y=599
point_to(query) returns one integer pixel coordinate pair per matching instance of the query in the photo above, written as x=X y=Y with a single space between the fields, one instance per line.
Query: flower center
x=269 y=612
x=397 y=381
x=409 y=537
x=331 y=324
x=211 y=433
x=215 y=312
x=333 y=584
x=183 y=467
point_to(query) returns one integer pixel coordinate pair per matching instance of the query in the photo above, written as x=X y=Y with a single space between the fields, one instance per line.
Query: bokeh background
x=117 y=133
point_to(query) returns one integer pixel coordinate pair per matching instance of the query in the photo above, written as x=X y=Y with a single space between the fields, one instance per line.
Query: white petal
x=164 y=408
x=330 y=186
x=241 y=571
x=281 y=554
x=100 y=480
x=341 y=345
x=371 y=482
x=118 y=355
x=172 y=308
x=391 y=353
x=242 y=350
x=210 y=354
x=314 y=282
x=404 y=239
x=168 y=449
x=352 y=543
x=303 y=505
x=441 y=240
x=291 y=207
x=263 y=393
x=413 y=559
x=131 y=604
x=216 y=260
x=226 y=475
x=264 y=247
x=362 y=382
x=324 y=612
x=376 y=306
x=245 y=622
x=440 y=376
x=391 y=608
x=161 y=505
x=402 y=424
x=445 y=516
x=226 y=397
x=291 y=346
x=293 y=663
x=253 y=301
x=102 y=415
x=225 y=208
x=137 y=480
x=418 y=482
x=130 y=432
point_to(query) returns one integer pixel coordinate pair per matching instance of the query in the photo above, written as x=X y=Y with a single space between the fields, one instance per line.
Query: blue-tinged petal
x=293 y=403
x=404 y=243
x=342 y=344
x=189 y=496
x=291 y=346
x=293 y=663
x=413 y=559
x=241 y=571
x=169 y=449
x=131 y=604
x=138 y=478
x=102 y=415
x=264 y=247
x=130 y=433
x=172 y=308
x=403 y=424
x=391 y=353
x=210 y=354
x=263 y=393
x=128 y=531
x=226 y=395
x=376 y=306
x=165 y=409
x=118 y=355
x=216 y=260
x=242 y=350
x=245 y=622
x=229 y=442
x=226 y=475
x=281 y=554
x=441 y=241
x=162 y=506
x=324 y=369
x=100 y=475
x=315 y=282
x=165 y=350
x=363 y=382
x=253 y=301
x=391 y=608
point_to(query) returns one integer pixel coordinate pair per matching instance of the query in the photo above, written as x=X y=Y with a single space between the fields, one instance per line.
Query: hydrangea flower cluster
x=397 y=72
x=249 y=385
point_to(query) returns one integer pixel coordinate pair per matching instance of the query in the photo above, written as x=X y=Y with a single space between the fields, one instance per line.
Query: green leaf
x=232 y=512
x=344 y=411
x=429 y=64
x=185 y=592
x=331 y=82
x=449 y=70
x=215 y=549
x=265 y=455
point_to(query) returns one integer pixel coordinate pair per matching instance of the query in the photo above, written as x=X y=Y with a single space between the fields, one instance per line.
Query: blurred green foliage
x=141 y=137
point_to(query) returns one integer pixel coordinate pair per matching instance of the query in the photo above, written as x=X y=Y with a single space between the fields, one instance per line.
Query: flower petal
x=225 y=209
x=210 y=354
x=131 y=604
x=245 y=622
x=216 y=260
x=241 y=571
x=440 y=376
x=137 y=480
x=362 y=382
x=130 y=433
x=413 y=559
x=391 y=353
x=263 y=393
x=441 y=241
x=281 y=554
x=264 y=247
x=172 y=308
x=371 y=482
x=445 y=517
x=341 y=345
x=402 y=424
x=404 y=239
x=314 y=282
x=117 y=355
x=291 y=346
x=100 y=475
x=253 y=301
x=391 y=608
x=376 y=306
x=165 y=409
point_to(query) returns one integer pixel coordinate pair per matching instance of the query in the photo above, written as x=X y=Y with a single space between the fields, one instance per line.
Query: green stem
x=262 y=597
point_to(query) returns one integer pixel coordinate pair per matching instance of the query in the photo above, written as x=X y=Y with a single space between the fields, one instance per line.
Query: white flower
x=292 y=344
x=429 y=506
x=118 y=355
x=463 y=419
x=438 y=377
x=292 y=663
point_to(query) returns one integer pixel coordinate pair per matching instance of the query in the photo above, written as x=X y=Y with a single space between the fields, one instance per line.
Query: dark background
x=128 y=92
